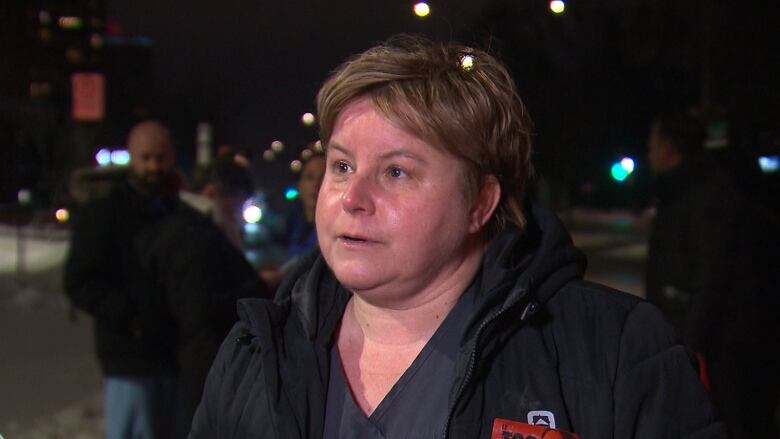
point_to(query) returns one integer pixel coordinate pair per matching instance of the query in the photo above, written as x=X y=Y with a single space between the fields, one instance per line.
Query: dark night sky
x=592 y=78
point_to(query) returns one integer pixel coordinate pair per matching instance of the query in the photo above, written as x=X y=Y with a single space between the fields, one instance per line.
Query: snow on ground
x=41 y=250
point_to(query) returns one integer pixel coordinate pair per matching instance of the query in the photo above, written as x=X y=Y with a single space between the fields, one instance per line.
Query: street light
x=308 y=119
x=557 y=6
x=422 y=9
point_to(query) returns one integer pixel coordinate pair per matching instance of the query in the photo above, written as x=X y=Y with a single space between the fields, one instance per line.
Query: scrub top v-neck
x=416 y=406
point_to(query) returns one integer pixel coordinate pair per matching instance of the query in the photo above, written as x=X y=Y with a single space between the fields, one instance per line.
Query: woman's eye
x=396 y=172
x=341 y=167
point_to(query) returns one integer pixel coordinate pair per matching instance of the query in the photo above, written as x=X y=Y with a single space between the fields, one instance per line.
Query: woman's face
x=392 y=219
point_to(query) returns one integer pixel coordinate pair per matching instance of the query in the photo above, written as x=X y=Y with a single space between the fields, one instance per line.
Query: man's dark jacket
x=104 y=276
x=602 y=362
x=711 y=264
x=712 y=270
x=203 y=275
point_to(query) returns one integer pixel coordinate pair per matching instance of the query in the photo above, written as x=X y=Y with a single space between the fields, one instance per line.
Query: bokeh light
x=268 y=155
x=71 y=23
x=306 y=154
x=120 y=157
x=103 y=157
x=251 y=228
x=557 y=6
x=44 y=17
x=296 y=165
x=627 y=163
x=308 y=119
x=467 y=62
x=252 y=214
x=618 y=173
x=769 y=164
x=277 y=146
x=421 y=9
x=291 y=193
x=62 y=215
x=24 y=196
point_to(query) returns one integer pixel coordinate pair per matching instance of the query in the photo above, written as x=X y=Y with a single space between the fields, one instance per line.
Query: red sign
x=508 y=429
x=89 y=91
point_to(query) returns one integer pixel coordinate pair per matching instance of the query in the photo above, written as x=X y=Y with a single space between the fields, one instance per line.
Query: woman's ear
x=485 y=203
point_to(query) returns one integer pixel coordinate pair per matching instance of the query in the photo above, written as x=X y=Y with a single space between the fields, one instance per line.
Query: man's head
x=459 y=99
x=673 y=138
x=152 y=157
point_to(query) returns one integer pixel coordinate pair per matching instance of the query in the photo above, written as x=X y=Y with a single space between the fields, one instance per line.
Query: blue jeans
x=143 y=408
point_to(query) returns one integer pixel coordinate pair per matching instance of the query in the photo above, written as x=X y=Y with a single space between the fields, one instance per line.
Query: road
x=49 y=378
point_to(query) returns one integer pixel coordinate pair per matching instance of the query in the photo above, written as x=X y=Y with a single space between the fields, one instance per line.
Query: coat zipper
x=527 y=312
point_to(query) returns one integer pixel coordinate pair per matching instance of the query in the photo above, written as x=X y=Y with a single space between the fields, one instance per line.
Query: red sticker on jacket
x=506 y=429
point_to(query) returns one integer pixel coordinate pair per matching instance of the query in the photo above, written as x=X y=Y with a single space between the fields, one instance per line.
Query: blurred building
x=70 y=83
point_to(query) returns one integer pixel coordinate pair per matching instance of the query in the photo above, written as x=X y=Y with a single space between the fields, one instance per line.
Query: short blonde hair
x=457 y=98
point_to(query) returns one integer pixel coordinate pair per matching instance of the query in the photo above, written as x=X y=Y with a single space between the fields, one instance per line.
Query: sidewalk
x=49 y=378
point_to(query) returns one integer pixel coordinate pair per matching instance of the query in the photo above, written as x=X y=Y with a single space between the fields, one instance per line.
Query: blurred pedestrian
x=301 y=234
x=711 y=269
x=202 y=271
x=135 y=334
x=438 y=304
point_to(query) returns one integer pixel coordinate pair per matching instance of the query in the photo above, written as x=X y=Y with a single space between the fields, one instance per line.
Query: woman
x=437 y=306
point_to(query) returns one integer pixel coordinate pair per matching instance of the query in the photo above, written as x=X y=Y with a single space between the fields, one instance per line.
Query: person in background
x=301 y=233
x=202 y=271
x=439 y=304
x=711 y=269
x=135 y=333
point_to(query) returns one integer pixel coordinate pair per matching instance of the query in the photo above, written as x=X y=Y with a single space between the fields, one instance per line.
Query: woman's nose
x=358 y=196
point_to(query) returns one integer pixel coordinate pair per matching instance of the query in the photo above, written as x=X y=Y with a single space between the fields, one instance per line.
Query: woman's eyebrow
x=342 y=149
x=402 y=152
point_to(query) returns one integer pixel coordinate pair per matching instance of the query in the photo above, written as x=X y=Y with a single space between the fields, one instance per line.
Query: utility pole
x=712 y=115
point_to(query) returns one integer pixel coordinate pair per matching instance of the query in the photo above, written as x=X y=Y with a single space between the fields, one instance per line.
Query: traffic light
x=622 y=169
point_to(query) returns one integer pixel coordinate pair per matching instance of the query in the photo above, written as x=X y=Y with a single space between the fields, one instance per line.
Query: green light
x=618 y=172
x=291 y=194
x=120 y=157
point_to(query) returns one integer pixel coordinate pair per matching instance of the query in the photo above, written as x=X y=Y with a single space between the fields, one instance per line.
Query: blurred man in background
x=135 y=332
x=712 y=271
x=203 y=272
